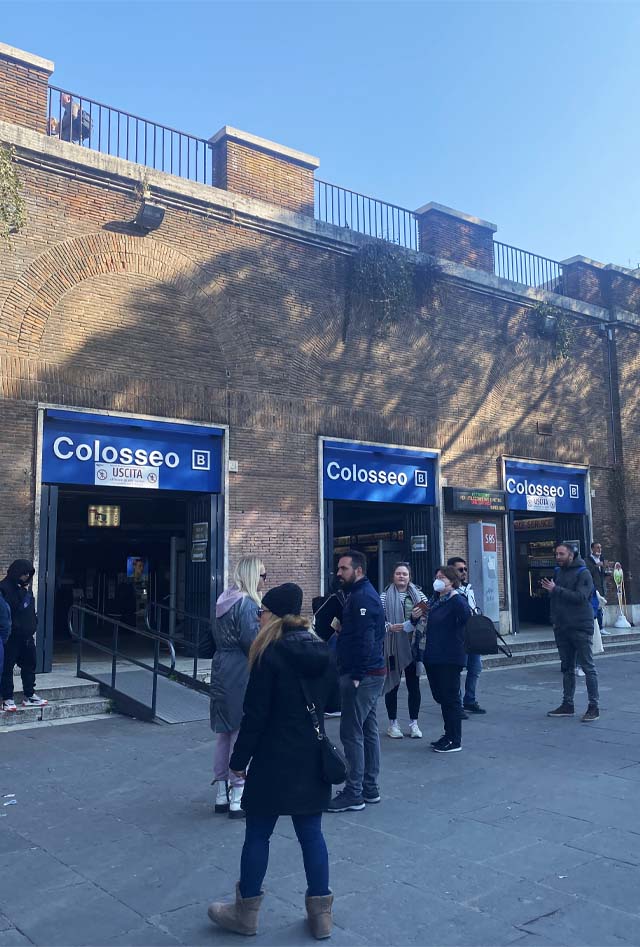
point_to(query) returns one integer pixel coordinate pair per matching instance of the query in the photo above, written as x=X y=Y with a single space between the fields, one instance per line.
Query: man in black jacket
x=20 y=648
x=572 y=616
x=360 y=652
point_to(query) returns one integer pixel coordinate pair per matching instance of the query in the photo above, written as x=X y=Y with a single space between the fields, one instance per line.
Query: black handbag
x=481 y=637
x=333 y=767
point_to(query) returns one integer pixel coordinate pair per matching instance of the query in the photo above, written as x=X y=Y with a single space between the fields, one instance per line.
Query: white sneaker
x=34 y=701
x=235 y=797
x=9 y=706
x=414 y=730
x=394 y=731
x=222 y=796
x=579 y=672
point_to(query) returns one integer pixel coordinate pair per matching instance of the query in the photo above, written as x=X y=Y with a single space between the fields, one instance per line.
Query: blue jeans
x=474 y=667
x=255 y=853
x=359 y=733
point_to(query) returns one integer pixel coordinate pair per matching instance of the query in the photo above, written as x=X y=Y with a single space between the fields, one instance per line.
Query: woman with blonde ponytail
x=277 y=737
x=235 y=629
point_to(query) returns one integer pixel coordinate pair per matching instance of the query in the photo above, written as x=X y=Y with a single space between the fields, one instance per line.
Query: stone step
x=69 y=710
x=549 y=654
x=68 y=691
x=542 y=644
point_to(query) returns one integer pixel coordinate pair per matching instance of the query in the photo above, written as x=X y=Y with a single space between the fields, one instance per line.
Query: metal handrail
x=530 y=269
x=178 y=616
x=77 y=616
x=79 y=612
x=366 y=215
x=99 y=127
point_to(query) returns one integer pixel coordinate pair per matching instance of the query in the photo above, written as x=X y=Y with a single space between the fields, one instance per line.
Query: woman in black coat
x=278 y=739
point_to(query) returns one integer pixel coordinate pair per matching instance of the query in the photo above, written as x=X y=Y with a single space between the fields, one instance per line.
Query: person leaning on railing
x=75 y=124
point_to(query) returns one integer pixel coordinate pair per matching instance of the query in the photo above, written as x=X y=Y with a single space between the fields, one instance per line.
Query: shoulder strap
x=311 y=708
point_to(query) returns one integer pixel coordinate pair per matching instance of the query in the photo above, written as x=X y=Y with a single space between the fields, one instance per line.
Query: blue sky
x=523 y=113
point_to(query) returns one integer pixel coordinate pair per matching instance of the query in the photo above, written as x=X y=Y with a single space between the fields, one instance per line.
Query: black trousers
x=444 y=681
x=413 y=686
x=21 y=651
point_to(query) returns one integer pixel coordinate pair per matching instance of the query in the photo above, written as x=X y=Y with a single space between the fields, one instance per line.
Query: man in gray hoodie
x=572 y=615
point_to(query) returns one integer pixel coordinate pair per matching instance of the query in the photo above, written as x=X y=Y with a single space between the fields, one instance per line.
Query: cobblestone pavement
x=530 y=836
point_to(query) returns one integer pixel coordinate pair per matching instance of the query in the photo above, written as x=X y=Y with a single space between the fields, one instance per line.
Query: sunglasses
x=263 y=575
x=462 y=569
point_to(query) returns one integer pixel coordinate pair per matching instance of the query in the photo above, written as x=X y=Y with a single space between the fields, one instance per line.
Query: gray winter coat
x=233 y=633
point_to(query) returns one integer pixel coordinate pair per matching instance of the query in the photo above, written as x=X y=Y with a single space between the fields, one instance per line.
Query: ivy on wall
x=13 y=214
x=386 y=287
x=552 y=324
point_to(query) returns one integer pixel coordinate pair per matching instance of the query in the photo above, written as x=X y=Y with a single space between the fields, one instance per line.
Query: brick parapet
x=256 y=167
x=451 y=235
x=24 y=82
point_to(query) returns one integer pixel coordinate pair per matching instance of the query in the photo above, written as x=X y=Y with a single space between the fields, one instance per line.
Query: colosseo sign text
x=373 y=473
x=544 y=489
x=104 y=450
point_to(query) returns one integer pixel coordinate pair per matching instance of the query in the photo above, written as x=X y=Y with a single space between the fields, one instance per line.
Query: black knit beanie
x=283 y=600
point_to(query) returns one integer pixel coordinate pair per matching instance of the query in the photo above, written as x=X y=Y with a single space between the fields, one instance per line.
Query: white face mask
x=439 y=585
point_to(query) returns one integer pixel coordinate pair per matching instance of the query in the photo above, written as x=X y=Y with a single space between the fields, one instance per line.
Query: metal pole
x=156 y=657
x=114 y=654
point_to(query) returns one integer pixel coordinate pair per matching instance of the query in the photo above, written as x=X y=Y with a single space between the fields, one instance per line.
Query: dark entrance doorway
x=386 y=533
x=533 y=537
x=116 y=550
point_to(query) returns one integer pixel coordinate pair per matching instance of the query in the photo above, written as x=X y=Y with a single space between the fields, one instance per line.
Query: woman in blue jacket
x=444 y=655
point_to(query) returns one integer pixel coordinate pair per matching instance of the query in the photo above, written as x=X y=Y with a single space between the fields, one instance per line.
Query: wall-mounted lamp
x=149 y=217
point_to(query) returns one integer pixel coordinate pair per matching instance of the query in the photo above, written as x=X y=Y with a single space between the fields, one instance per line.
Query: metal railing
x=192 y=634
x=366 y=215
x=111 y=131
x=82 y=620
x=520 y=266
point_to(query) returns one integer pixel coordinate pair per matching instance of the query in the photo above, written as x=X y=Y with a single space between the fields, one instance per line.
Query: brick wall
x=23 y=88
x=247 y=165
x=211 y=320
x=450 y=235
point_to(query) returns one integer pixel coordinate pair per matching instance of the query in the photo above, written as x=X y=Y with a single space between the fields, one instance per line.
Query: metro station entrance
x=380 y=500
x=387 y=533
x=118 y=549
x=547 y=505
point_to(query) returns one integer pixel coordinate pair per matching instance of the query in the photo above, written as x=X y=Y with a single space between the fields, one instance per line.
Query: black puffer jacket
x=19 y=599
x=276 y=734
x=571 y=608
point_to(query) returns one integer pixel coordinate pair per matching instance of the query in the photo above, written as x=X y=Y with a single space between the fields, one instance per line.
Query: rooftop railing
x=520 y=266
x=111 y=131
x=366 y=215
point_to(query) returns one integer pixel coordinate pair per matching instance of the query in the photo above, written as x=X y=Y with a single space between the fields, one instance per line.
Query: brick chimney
x=23 y=84
x=259 y=168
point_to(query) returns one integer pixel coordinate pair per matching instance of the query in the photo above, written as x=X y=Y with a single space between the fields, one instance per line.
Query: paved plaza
x=530 y=836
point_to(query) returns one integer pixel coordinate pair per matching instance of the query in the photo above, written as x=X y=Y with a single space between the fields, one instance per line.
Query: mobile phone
x=423 y=606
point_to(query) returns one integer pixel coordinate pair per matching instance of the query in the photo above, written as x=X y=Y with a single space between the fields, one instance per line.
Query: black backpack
x=481 y=637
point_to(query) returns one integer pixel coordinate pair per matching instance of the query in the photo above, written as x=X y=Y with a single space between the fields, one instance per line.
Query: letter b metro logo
x=201 y=460
x=420 y=478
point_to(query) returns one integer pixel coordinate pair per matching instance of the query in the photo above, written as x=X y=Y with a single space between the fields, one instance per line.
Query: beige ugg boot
x=319 y=915
x=240 y=917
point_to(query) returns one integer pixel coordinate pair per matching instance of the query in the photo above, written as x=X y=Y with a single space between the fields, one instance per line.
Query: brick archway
x=57 y=271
